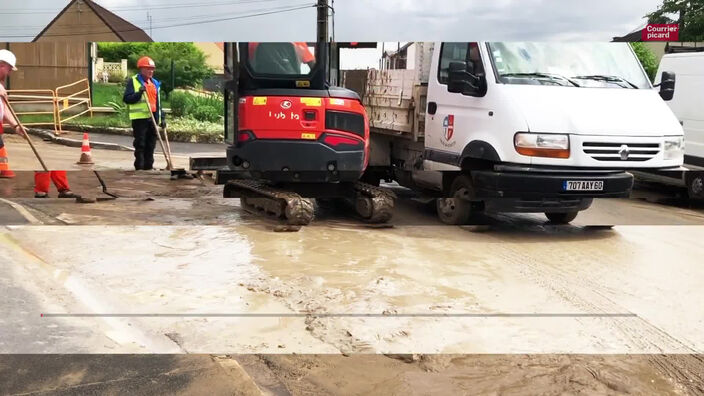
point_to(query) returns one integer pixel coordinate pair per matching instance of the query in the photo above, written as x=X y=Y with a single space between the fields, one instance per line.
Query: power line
x=138 y=8
x=149 y=17
x=169 y=26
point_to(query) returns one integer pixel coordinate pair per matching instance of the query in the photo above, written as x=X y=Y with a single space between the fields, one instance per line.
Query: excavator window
x=291 y=58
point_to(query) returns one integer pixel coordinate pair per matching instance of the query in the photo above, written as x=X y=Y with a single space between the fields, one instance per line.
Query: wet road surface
x=517 y=286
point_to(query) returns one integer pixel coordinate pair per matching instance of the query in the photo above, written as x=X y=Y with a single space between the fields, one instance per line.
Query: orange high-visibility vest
x=151 y=94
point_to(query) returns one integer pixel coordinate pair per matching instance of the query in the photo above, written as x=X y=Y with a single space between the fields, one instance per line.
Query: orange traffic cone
x=5 y=171
x=86 y=157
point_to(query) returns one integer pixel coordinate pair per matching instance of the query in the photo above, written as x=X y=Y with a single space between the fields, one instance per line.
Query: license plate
x=581 y=185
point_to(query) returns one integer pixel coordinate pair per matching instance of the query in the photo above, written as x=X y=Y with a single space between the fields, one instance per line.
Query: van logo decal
x=623 y=152
x=286 y=104
x=448 y=128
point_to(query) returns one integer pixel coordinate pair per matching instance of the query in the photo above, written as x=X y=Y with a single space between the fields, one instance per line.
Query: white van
x=688 y=105
x=519 y=127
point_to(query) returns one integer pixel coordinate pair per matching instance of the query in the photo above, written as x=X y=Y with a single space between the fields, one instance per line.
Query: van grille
x=626 y=152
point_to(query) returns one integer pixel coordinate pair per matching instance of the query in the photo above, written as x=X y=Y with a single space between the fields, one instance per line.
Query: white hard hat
x=9 y=58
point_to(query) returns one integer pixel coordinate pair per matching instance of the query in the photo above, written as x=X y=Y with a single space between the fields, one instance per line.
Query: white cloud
x=362 y=20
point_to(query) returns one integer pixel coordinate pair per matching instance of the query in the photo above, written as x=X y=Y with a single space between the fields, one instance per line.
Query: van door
x=452 y=116
x=687 y=101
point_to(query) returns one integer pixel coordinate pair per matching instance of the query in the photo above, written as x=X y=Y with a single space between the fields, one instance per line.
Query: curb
x=174 y=135
x=22 y=211
x=47 y=135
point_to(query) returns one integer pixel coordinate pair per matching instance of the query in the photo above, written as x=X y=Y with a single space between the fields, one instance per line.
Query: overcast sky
x=355 y=20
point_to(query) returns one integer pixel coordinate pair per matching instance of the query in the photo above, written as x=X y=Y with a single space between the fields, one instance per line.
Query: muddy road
x=171 y=267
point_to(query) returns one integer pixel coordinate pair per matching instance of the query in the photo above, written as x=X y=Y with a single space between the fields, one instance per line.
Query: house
x=398 y=59
x=61 y=53
x=85 y=20
x=214 y=55
x=215 y=59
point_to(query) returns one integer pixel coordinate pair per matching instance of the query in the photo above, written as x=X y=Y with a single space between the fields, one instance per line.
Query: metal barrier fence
x=67 y=100
x=30 y=102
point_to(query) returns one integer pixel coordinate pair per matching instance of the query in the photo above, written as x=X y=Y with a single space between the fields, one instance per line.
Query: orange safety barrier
x=22 y=98
x=70 y=96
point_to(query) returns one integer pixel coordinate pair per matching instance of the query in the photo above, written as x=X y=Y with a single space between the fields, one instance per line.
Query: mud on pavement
x=387 y=271
x=477 y=374
x=353 y=375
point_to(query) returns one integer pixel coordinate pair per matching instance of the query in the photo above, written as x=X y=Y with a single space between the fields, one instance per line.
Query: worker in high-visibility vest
x=8 y=63
x=145 y=135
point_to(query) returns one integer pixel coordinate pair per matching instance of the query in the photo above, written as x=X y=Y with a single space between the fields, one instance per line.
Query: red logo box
x=661 y=32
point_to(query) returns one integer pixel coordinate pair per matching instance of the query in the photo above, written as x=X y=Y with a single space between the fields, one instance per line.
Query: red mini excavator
x=293 y=136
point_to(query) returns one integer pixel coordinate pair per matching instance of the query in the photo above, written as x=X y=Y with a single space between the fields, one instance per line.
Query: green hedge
x=647 y=59
x=209 y=108
x=190 y=67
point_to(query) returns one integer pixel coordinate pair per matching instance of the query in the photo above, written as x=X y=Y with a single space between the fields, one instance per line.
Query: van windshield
x=601 y=65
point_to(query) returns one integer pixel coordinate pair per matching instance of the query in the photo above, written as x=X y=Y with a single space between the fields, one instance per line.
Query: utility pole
x=322 y=21
x=322 y=37
x=149 y=18
x=333 y=20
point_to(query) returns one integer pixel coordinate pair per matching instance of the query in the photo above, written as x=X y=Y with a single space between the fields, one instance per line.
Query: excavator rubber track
x=373 y=204
x=258 y=197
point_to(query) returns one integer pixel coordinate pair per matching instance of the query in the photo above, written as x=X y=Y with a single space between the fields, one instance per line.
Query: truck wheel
x=695 y=185
x=561 y=218
x=458 y=209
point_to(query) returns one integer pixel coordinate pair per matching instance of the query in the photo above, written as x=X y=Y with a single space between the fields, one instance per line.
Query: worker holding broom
x=41 y=179
x=7 y=65
x=144 y=131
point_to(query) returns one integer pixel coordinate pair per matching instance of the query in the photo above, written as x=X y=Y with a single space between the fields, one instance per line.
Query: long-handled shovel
x=167 y=154
x=175 y=173
x=26 y=135
x=41 y=161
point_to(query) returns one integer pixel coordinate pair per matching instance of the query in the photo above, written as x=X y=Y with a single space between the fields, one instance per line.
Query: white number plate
x=593 y=185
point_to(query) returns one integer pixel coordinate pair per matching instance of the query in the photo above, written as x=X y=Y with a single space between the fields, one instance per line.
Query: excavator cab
x=292 y=126
x=281 y=65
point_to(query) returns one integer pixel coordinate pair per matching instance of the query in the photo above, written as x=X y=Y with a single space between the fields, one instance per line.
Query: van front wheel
x=695 y=185
x=457 y=209
x=561 y=218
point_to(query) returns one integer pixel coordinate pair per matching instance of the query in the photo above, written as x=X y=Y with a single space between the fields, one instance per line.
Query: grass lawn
x=182 y=129
x=106 y=93
x=114 y=120
x=185 y=128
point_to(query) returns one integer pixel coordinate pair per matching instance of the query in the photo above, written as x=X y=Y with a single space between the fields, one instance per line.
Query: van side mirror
x=667 y=85
x=461 y=79
x=457 y=77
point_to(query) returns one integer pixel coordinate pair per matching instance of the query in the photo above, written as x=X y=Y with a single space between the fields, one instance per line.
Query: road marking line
x=23 y=211
x=239 y=375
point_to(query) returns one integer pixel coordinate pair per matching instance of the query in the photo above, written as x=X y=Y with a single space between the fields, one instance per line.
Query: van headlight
x=542 y=144
x=673 y=148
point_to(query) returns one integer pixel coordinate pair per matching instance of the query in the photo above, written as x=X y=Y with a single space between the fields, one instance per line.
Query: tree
x=115 y=52
x=190 y=67
x=647 y=59
x=688 y=14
